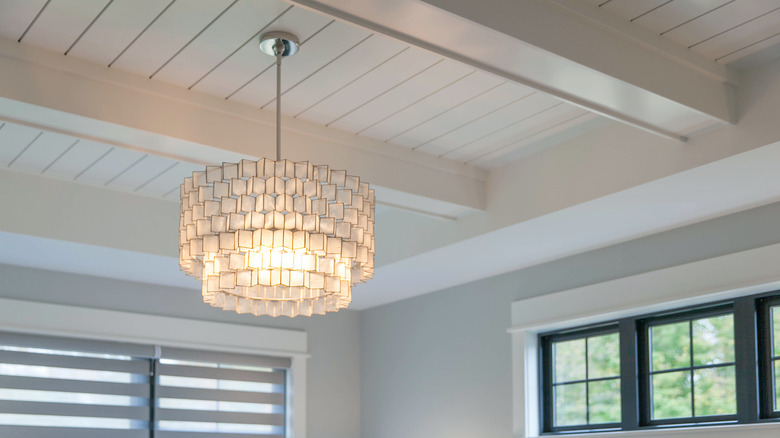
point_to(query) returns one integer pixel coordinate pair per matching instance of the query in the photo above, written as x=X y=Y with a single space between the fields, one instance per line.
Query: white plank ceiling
x=724 y=31
x=344 y=77
x=67 y=158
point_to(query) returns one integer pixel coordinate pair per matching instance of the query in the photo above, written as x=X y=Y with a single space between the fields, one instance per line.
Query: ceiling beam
x=66 y=95
x=645 y=84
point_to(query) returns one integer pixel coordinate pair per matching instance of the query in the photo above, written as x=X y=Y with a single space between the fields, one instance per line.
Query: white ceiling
x=450 y=137
x=724 y=31
x=344 y=77
x=69 y=158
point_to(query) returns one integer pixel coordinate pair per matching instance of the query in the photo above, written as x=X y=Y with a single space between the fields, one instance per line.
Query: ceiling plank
x=473 y=118
x=383 y=77
x=13 y=140
x=61 y=23
x=534 y=114
x=17 y=15
x=169 y=33
x=42 y=152
x=632 y=9
x=760 y=29
x=676 y=13
x=116 y=28
x=719 y=20
x=356 y=62
x=457 y=93
x=248 y=61
x=406 y=94
x=77 y=159
x=329 y=44
x=231 y=30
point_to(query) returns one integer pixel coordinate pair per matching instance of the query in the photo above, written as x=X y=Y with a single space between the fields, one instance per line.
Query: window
x=681 y=367
x=770 y=372
x=775 y=312
x=73 y=388
x=583 y=390
x=691 y=367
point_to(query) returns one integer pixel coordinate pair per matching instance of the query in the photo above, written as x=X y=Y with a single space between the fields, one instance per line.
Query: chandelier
x=277 y=237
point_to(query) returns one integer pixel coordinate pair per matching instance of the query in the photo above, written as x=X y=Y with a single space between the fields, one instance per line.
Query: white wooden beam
x=560 y=52
x=67 y=95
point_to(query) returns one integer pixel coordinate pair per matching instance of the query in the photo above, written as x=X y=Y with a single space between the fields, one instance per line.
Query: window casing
x=754 y=362
x=71 y=387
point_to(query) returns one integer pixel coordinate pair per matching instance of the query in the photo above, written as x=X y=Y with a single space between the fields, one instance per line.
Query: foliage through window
x=585 y=379
x=690 y=366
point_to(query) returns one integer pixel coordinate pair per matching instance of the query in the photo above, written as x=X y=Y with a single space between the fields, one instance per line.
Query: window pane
x=604 y=356
x=570 y=409
x=670 y=346
x=715 y=391
x=776 y=329
x=777 y=387
x=671 y=395
x=713 y=340
x=604 y=401
x=569 y=360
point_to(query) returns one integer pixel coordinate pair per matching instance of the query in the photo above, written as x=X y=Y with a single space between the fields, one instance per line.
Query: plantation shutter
x=209 y=395
x=67 y=388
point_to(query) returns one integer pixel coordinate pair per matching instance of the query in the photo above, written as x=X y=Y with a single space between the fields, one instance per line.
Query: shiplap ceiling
x=69 y=158
x=724 y=31
x=345 y=77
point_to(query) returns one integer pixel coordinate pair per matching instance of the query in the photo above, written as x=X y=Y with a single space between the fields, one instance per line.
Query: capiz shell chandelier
x=276 y=237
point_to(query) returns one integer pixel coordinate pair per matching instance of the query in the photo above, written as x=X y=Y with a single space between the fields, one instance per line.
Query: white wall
x=440 y=365
x=436 y=365
x=333 y=389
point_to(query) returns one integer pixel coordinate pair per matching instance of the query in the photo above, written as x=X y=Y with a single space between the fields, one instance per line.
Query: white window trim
x=719 y=278
x=109 y=325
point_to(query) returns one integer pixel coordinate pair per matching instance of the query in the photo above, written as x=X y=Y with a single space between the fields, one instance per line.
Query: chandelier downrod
x=279 y=49
x=279 y=45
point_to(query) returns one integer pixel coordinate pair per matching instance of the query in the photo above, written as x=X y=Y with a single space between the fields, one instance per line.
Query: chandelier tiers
x=276 y=237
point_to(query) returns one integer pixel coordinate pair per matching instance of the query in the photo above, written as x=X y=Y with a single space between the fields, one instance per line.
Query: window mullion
x=547 y=392
x=629 y=394
x=693 y=382
x=746 y=369
x=587 y=386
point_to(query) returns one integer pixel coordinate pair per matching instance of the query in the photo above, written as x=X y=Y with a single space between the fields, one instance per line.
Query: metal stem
x=279 y=51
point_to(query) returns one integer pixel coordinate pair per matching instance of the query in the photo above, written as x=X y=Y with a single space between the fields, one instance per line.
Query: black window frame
x=753 y=365
x=766 y=368
x=547 y=397
x=645 y=374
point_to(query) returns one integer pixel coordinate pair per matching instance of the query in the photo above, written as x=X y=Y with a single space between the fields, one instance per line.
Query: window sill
x=760 y=430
